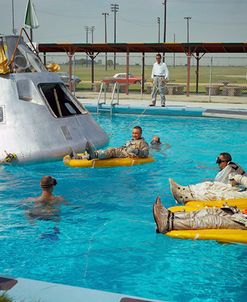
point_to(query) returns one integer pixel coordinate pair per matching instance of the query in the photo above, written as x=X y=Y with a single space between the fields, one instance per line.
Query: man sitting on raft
x=221 y=188
x=207 y=218
x=136 y=147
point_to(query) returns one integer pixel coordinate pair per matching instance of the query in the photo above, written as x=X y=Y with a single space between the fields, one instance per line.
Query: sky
x=65 y=20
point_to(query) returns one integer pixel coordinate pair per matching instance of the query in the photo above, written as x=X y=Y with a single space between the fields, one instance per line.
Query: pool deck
x=194 y=105
x=27 y=290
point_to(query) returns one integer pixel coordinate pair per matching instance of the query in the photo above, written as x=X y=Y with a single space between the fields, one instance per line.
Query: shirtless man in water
x=46 y=206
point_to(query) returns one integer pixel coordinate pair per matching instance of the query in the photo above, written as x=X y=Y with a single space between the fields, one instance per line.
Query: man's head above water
x=137 y=132
x=47 y=182
x=223 y=159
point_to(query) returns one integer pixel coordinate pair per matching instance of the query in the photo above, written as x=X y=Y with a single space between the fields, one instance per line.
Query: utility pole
x=188 y=28
x=105 y=15
x=13 y=18
x=158 y=21
x=114 y=9
x=87 y=30
x=92 y=57
x=188 y=56
x=92 y=28
x=164 y=37
x=174 y=40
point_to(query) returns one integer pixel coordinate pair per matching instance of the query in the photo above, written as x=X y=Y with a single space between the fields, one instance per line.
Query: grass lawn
x=178 y=74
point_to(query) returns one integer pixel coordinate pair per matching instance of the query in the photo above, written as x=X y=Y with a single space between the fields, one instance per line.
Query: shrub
x=5 y=298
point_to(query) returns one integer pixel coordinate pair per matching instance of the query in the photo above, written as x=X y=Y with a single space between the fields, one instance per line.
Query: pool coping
x=171 y=110
x=27 y=290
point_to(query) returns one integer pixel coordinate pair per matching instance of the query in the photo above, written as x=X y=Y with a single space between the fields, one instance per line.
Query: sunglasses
x=219 y=160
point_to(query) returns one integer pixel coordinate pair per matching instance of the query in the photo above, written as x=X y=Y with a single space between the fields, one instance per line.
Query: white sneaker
x=181 y=194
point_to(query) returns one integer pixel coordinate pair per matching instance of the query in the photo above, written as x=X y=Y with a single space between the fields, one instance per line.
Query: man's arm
x=152 y=74
x=143 y=149
x=223 y=175
x=166 y=72
x=240 y=179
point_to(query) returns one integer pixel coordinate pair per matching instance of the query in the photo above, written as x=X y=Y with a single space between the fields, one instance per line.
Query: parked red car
x=121 y=78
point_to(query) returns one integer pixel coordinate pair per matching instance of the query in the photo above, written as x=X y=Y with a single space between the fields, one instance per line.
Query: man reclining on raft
x=220 y=189
x=136 y=147
x=207 y=218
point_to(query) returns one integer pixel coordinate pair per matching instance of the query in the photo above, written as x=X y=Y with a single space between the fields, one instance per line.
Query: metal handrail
x=99 y=103
x=115 y=87
x=113 y=100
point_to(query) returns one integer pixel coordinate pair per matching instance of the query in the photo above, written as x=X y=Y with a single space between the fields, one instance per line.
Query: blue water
x=106 y=238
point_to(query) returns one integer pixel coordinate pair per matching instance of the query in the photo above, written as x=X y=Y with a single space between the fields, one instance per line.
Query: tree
x=109 y=63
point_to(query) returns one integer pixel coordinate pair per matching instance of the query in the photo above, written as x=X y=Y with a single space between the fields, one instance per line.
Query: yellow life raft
x=222 y=235
x=241 y=203
x=105 y=163
x=196 y=205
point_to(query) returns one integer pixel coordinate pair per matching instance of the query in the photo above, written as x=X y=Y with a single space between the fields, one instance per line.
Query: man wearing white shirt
x=160 y=76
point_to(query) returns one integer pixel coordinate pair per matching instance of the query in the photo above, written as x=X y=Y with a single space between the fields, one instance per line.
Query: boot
x=181 y=194
x=92 y=154
x=161 y=217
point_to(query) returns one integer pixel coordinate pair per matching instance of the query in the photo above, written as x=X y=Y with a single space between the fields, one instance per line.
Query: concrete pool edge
x=33 y=290
x=170 y=111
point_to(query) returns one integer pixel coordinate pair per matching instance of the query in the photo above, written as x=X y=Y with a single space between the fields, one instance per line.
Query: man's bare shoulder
x=53 y=199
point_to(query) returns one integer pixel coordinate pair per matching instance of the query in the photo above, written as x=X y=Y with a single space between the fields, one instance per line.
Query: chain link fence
x=217 y=75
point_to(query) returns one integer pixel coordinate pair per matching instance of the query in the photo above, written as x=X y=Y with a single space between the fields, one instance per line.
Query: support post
x=92 y=69
x=197 y=71
x=198 y=58
x=210 y=79
x=143 y=72
x=92 y=57
x=127 y=71
x=70 y=55
x=44 y=58
x=188 y=73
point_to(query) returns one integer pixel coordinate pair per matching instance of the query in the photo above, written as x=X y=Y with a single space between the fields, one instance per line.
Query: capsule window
x=59 y=100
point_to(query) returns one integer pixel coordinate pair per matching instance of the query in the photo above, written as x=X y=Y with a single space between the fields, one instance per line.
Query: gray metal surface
x=31 y=129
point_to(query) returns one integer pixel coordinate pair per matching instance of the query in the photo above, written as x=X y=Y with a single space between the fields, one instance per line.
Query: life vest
x=236 y=167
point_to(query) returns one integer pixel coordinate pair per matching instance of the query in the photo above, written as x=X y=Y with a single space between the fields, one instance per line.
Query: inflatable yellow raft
x=105 y=163
x=222 y=235
x=241 y=203
x=196 y=205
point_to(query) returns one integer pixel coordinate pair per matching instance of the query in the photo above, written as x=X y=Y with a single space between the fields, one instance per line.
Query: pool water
x=106 y=237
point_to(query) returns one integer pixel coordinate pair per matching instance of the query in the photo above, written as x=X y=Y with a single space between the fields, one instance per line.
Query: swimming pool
x=107 y=238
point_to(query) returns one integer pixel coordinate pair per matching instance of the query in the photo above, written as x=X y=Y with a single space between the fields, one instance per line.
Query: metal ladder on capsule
x=102 y=101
